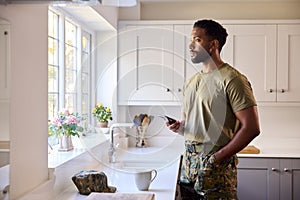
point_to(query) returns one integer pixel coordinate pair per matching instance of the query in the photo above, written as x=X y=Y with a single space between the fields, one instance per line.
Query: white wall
x=28 y=103
x=109 y=13
x=217 y=10
x=4 y=121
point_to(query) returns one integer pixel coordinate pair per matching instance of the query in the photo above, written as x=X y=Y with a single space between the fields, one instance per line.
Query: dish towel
x=119 y=196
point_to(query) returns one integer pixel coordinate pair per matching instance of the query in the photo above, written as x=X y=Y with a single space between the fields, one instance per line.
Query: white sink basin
x=133 y=166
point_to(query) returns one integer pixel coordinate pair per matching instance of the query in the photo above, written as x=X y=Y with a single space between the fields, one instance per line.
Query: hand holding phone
x=170 y=119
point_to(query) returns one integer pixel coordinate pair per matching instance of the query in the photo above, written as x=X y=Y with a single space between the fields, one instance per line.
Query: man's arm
x=249 y=129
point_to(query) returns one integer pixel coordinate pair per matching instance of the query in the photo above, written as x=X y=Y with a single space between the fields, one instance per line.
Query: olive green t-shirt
x=210 y=101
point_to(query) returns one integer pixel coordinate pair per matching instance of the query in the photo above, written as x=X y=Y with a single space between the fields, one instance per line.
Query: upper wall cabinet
x=145 y=65
x=268 y=55
x=154 y=60
x=4 y=60
x=252 y=50
x=288 y=63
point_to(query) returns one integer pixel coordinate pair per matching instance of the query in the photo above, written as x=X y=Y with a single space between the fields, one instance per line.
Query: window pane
x=52 y=24
x=52 y=105
x=85 y=62
x=70 y=81
x=84 y=83
x=86 y=42
x=70 y=56
x=70 y=102
x=52 y=79
x=84 y=104
x=52 y=51
x=70 y=33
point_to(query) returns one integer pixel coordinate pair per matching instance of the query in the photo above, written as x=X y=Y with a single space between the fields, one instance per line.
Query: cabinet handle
x=282 y=90
x=274 y=169
x=270 y=90
x=286 y=169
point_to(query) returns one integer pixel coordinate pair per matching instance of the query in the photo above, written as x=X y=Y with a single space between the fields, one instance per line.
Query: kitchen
x=27 y=109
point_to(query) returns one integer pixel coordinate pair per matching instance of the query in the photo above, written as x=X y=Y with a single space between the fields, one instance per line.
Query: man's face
x=200 y=45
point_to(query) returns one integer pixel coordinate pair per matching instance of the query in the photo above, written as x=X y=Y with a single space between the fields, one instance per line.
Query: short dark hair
x=214 y=30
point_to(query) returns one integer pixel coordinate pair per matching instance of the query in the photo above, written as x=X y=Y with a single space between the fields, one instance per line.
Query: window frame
x=64 y=16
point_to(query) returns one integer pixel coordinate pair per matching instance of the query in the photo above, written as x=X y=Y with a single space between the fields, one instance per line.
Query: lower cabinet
x=269 y=179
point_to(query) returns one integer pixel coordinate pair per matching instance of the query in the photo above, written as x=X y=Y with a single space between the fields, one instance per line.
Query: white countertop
x=276 y=148
x=66 y=164
x=163 y=186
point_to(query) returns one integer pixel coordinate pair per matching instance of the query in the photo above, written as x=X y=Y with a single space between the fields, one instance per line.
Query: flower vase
x=103 y=127
x=65 y=143
x=103 y=124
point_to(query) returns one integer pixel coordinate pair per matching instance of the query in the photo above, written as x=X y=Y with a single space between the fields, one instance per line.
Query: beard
x=199 y=56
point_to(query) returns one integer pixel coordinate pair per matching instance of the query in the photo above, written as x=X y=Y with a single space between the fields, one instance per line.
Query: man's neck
x=210 y=65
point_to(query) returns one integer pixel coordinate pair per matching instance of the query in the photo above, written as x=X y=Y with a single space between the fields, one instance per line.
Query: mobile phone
x=170 y=119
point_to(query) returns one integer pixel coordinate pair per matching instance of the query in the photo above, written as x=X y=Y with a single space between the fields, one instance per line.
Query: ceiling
x=218 y=1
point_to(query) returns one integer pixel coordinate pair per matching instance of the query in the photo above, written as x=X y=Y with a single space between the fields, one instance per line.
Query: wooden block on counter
x=251 y=149
x=118 y=196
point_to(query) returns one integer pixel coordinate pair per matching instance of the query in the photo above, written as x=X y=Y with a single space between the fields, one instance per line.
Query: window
x=53 y=65
x=69 y=66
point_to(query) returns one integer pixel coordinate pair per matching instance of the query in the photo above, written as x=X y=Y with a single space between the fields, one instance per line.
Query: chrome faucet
x=112 y=149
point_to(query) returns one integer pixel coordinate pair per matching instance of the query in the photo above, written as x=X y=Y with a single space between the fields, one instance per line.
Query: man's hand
x=177 y=127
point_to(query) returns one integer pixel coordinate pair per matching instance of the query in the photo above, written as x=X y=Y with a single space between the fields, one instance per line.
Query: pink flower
x=72 y=120
x=56 y=121
x=67 y=112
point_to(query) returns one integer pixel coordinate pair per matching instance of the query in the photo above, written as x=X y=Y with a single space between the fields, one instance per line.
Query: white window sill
x=57 y=158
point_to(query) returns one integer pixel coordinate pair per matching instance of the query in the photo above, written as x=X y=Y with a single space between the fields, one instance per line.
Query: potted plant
x=63 y=126
x=103 y=115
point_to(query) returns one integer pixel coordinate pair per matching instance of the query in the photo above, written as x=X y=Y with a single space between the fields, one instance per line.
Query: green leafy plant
x=102 y=113
x=65 y=123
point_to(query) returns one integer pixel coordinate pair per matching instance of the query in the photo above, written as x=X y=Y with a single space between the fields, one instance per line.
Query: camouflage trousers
x=209 y=180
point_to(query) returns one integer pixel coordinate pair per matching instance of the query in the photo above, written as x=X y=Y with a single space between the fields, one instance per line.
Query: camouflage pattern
x=211 y=180
x=91 y=181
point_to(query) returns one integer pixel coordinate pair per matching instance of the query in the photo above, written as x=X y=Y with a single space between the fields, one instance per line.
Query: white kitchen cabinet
x=154 y=60
x=268 y=178
x=145 y=65
x=4 y=60
x=268 y=55
x=288 y=59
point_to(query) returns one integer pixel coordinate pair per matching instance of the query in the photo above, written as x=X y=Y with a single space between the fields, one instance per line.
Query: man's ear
x=215 y=44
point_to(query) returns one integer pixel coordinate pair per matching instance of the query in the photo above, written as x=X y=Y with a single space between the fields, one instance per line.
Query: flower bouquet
x=65 y=125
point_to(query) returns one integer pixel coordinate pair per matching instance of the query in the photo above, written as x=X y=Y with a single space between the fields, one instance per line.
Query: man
x=219 y=118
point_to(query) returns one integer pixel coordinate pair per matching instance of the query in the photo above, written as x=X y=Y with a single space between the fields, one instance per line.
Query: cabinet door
x=155 y=63
x=258 y=179
x=4 y=62
x=290 y=179
x=252 y=50
x=146 y=64
x=183 y=68
x=288 y=60
x=127 y=64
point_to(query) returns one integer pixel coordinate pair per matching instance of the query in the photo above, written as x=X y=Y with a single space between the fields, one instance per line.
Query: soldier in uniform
x=219 y=118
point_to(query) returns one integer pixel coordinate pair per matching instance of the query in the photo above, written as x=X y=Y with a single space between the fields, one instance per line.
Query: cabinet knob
x=168 y=90
x=274 y=169
x=179 y=89
x=270 y=90
x=282 y=90
x=286 y=169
